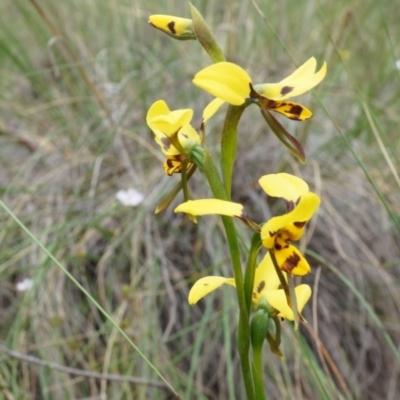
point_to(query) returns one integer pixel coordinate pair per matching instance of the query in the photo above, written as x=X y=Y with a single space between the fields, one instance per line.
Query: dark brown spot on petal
x=261 y=286
x=272 y=234
x=166 y=143
x=290 y=263
x=296 y=110
x=171 y=27
x=172 y=165
x=277 y=246
x=254 y=295
x=299 y=224
x=286 y=90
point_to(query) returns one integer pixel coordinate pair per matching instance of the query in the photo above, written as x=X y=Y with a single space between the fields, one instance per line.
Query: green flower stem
x=251 y=268
x=184 y=180
x=229 y=144
x=243 y=329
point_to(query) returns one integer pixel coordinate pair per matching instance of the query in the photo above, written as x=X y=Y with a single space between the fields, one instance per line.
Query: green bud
x=258 y=329
x=176 y=27
x=204 y=36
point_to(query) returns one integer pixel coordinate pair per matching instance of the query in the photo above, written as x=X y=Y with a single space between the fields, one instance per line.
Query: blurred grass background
x=76 y=80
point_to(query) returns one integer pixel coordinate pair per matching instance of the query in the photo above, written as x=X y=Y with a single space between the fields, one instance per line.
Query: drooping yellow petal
x=300 y=81
x=209 y=207
x=206 y=285
x=283 y=185
x=289 y=109
x=291 y=261
x=226 y=81
x=211 y=109
x=277 y=299
x=179 y=28
x=300 y=215
x=265 y=278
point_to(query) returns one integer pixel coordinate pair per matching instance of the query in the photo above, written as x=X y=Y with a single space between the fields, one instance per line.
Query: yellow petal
x=206 y=285
x=187 y=136
x=282 y=185
x=174 y=26
x=265 y=278
x=289 y=109
x=212 y=108
x=300 y=215
x=226 y=81
x=277 y=299
x=172 y=166
x=300 y=81
x=291 y=261
x=305 y=71
x=158 y=108
x=210 y=206
x=172 y=122
x=166 y=146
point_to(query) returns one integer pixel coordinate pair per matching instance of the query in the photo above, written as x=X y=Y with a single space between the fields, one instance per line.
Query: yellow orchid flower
x=266 y=288
x=176 y=27
x=278 y=232
x=174 y=133
x=233 y=84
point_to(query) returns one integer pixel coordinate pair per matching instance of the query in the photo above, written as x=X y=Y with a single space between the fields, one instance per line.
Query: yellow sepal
x=226 y=81
x=282 y=185
x=209 y=207
x=206 y=285
x=300 y=81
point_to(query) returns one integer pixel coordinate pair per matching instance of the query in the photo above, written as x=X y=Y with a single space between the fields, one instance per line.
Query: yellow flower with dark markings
x=232 y=84
x=265 y=289
x=278 y=232
x=176 y=27
x=174 y=133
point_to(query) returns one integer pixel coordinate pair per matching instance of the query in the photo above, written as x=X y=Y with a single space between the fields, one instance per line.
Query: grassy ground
x=76 y=79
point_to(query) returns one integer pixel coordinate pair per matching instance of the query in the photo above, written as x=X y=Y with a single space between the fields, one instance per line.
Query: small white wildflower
x=130 y=197
x=398 y=64
x=24 y=285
